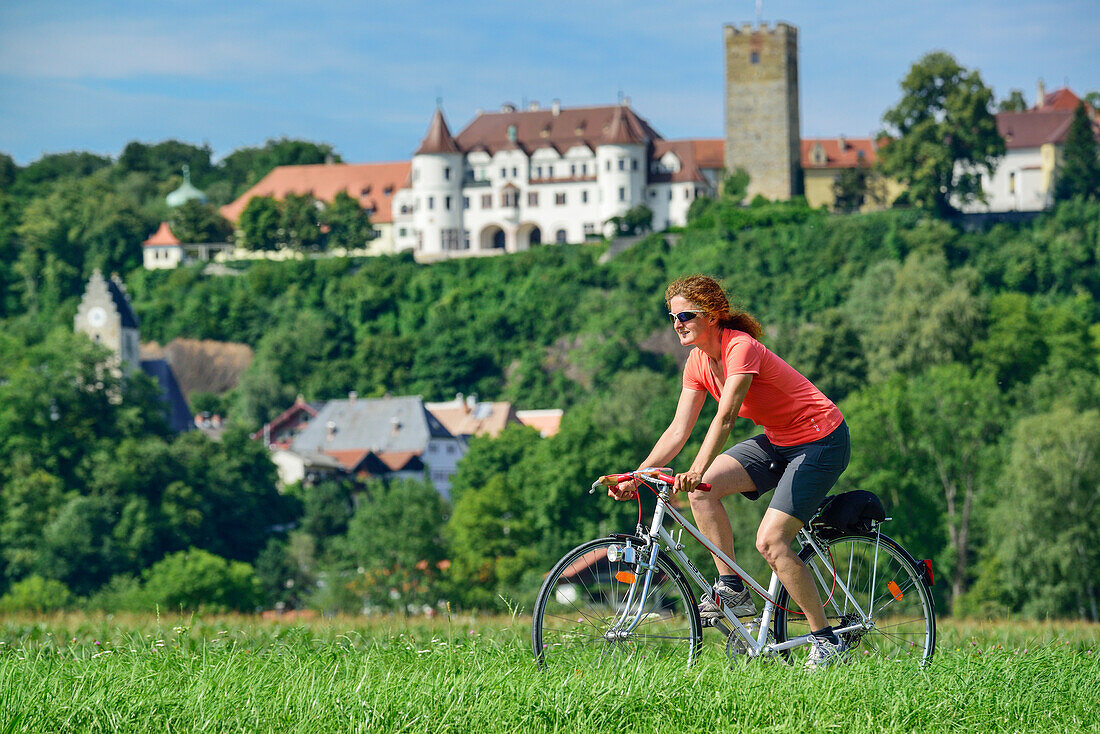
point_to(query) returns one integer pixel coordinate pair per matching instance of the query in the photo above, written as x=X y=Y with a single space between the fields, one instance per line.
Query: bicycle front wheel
x=593 y=611
x=884 y=584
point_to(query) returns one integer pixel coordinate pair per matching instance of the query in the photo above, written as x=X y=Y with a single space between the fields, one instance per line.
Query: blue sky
x=365 y=75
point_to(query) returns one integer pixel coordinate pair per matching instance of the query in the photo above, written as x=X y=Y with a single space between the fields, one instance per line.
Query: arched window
x=560 y=237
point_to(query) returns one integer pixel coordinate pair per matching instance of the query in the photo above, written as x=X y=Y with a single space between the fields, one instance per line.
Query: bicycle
x=631 y=596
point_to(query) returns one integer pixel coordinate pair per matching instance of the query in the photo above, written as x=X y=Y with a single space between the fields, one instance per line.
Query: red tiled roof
x=397 y=460
x=624 y=129
x=438 y=139
x=348 y=459
x=284 y=418
x=539 y=128
x=371 y=184
x=463 y=419
x=547 y=422
x=1060 y=99
x=694 y=156
x=837 y=157
x=1034 y=128
x=163 y=236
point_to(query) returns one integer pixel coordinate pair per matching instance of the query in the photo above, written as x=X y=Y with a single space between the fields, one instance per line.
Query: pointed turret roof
x=624 y=128
x=438 y=139
x=163 y=236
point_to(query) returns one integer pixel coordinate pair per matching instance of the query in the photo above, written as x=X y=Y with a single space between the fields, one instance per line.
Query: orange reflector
x=626 y=577
x=894 y=589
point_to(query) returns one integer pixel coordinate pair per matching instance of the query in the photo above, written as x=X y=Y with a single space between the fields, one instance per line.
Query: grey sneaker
x=824 y=653
x=740 y=604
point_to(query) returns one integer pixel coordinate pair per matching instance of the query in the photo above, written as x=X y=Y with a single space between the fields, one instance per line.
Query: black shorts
x=801 y=475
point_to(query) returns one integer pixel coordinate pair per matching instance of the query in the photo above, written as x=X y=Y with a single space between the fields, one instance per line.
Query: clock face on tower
x=97 y=317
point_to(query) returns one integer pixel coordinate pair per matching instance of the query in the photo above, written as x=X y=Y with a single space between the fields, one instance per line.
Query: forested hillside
x=965 y=362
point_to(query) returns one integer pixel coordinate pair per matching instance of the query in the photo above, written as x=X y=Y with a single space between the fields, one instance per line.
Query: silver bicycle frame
x=758 y=645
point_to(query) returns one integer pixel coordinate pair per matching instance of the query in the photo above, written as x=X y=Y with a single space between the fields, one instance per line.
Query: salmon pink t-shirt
x=787 y=405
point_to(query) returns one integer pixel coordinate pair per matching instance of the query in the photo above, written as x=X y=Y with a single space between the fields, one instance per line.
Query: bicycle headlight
x=614 y=553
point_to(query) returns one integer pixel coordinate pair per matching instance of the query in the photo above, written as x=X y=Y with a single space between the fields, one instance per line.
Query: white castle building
x=512 y=179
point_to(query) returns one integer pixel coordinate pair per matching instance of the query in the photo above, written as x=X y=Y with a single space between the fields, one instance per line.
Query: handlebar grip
x=667 y=478
x=702 y=486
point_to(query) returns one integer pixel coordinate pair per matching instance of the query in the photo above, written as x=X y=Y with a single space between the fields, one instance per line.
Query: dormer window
x=818 y=154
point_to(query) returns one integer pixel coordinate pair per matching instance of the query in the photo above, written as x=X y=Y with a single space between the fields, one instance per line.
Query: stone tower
x=762 y=130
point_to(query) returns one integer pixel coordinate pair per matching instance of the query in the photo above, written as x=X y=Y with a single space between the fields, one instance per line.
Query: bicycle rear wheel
x=886 y=585
x=585 y=615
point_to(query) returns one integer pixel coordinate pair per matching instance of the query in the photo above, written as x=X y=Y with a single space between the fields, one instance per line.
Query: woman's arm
x=678 y=431
x=733 y=394
x=671 y=441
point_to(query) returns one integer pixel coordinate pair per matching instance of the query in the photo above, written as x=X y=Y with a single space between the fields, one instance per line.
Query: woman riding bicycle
x=802 y=452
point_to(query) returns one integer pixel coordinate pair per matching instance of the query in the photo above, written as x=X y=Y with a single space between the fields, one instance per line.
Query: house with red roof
x=825 y=159
x=373 y=185
x=163 y=250
x=1024 y=179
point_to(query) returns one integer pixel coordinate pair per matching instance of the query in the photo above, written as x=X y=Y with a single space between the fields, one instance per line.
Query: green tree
x=396 y=538
x=164 y=161
x=1047 y=515
x=260 y=224
x=37 y=595
x=930 y=316
x=735 y=185
x=638 y=219
x=1079 y=174
x=197 y=580
x=1014 y=102
x=850 y=189
x=194 y=221
x=246 y=166
x=348 y=223
x=300 y=222
x=944 y=134
x=9 y=171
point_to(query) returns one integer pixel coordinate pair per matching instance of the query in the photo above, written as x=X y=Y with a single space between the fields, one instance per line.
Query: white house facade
x=1024 y=179
x=516 y=179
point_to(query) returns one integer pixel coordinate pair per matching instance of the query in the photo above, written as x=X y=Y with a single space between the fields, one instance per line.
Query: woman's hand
x=687 y=481
x=627 y=490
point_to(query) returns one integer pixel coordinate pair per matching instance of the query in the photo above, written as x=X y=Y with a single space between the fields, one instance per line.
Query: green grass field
x=223 y=674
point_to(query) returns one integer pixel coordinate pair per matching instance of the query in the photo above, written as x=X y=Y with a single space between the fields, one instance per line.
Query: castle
x=517 y=178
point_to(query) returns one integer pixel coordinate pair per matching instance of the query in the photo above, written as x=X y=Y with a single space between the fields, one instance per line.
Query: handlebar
x=615 y=479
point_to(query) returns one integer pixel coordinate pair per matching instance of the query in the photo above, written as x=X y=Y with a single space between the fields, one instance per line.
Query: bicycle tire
x=574 y=619
x=908 y=633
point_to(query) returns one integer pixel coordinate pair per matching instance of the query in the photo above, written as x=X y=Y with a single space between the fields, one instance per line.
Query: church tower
x=105 y=315
x=762 y=117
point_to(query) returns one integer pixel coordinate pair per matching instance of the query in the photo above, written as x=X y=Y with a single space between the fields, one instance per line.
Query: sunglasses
x=684 y=316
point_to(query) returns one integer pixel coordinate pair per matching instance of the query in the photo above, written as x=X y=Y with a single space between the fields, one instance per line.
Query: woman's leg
x=773 y=540
x=726 y=476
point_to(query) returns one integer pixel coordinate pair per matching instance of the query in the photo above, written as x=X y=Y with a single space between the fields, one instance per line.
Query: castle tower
x=437 y=173
x=762 y=118
x=621 y=163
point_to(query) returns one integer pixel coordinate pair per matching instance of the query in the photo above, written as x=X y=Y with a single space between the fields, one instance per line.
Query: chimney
x=395 y=422
x=507 y=107
x=842 y=143
x=555 y=107
x=352 y=395
x=1041 y=100
x=626 y=101
x=330 y=430
x=533 y=106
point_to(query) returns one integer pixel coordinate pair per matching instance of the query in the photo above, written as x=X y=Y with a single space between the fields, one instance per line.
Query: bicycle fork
x=630 y=615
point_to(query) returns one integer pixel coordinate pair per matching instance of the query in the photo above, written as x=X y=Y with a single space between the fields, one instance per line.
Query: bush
x=121 y=594
x=195 y=579
x=36 y=594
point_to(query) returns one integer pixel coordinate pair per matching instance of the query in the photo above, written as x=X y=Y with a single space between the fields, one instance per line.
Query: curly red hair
x=708 y=294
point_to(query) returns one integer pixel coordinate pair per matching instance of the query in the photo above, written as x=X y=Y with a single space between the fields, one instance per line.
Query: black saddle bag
x=848 y=512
